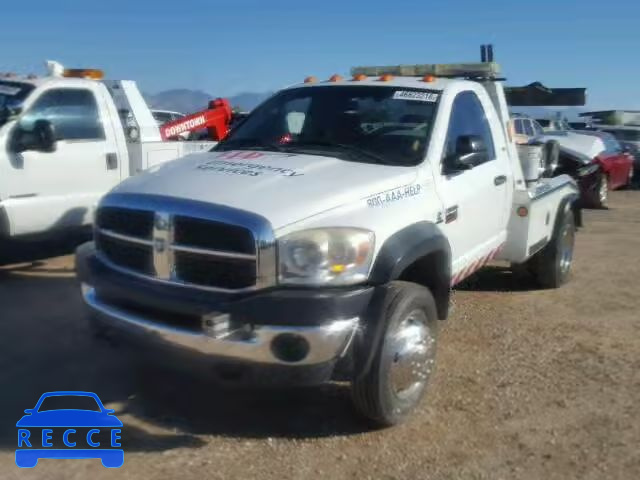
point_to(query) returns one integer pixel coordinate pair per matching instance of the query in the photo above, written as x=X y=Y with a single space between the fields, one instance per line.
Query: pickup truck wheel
x=552 y=265
x=405 y=358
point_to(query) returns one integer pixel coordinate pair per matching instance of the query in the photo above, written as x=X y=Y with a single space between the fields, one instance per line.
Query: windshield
x=386 y=125
x=625 y=135
x=12 y=94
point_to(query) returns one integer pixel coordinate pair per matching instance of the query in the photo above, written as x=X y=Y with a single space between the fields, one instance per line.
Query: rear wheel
x=552 y=265
x=404 y=360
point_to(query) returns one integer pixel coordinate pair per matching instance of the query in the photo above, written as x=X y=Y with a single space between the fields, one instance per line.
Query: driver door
x=475 y=199
x=58 y=189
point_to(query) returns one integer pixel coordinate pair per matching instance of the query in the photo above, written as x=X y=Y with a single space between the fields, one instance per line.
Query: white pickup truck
x=321 y=239
x=65 y=140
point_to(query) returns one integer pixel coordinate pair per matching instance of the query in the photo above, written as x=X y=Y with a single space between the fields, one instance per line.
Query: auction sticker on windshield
x=415 y=96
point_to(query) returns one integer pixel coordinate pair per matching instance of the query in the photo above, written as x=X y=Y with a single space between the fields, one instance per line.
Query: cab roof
x=39 y=81
x=438 y=84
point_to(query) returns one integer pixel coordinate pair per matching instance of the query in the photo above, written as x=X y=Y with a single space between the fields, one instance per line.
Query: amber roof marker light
x=88 y=73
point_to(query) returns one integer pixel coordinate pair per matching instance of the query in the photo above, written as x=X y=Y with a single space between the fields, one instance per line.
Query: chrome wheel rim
x=566 y=248
x=410 y=348
x=603 y=190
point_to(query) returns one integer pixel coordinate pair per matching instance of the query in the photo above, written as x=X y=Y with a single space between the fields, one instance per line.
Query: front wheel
x=405 y=358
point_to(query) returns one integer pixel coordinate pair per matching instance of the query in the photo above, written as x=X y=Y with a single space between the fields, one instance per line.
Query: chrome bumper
x=325 y=342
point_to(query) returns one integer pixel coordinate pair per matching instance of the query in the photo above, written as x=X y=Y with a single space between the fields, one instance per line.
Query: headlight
x=328 y=256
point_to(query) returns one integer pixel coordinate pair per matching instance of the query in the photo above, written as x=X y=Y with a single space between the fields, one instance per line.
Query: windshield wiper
x=248 y=144
x=342 y=146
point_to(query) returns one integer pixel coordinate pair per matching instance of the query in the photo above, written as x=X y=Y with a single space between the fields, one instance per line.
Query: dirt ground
x=530 y=385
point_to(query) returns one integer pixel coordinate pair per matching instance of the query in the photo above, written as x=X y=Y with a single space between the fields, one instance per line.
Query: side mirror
x=109 y=411
x=41 y=139
x=470 y=152
x=133 y=133
x=29 y=411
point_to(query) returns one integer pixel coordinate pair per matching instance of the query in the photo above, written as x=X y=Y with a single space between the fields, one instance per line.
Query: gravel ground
x=530 y=384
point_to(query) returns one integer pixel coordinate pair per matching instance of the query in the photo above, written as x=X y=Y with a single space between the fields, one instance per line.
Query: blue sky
x=233 y=46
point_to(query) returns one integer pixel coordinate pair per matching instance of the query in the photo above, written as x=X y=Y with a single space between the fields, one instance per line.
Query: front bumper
x=301 y=333
x=249 y=343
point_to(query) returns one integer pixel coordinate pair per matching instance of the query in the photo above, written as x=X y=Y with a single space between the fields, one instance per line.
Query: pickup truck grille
x=173 y=247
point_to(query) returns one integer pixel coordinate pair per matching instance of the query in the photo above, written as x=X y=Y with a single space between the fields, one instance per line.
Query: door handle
x=499 y=180
x=112 y=161
x=451 y=214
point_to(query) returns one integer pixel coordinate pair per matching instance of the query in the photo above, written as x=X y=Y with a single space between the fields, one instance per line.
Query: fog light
x=290 y=348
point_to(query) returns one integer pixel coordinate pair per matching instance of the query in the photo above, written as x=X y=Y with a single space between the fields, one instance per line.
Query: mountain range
x=191 y=101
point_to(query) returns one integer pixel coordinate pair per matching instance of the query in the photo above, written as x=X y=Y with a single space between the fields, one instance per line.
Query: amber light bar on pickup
x=486 y=69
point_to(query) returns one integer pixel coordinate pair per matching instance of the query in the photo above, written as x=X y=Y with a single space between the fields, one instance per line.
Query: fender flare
x=406 y=246
x=410 y=245
x=570 y=201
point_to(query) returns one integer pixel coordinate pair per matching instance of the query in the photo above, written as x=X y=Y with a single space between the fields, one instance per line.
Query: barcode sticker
x=415 y=96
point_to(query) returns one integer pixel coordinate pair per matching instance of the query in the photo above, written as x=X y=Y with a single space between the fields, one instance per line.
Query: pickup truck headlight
x=327 y=256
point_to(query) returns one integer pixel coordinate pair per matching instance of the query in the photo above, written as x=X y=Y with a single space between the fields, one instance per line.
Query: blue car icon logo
x=51 y=430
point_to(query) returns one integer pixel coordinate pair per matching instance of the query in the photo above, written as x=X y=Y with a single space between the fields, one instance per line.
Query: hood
x=582 y=146
x=282 y=187
x=69 y=418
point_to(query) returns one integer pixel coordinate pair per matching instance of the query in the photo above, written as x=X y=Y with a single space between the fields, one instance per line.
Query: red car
x=608 y=166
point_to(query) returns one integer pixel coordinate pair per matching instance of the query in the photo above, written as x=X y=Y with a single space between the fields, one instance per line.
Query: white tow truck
x=65 y=140
x=321 y=239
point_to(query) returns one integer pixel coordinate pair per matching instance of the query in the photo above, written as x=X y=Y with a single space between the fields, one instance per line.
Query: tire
x=551 y=154
x=405 y=358
x=630 y=177
x=551 y=267
x=600 y=195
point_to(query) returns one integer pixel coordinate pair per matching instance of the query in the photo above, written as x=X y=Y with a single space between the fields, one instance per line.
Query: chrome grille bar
x=213 y=253
x=169 y=259
x=124 y=238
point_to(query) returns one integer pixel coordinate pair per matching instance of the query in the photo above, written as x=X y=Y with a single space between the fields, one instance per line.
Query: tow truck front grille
x=173 y=247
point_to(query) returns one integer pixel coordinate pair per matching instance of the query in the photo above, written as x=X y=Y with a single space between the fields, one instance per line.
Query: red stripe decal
x=475 y=266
